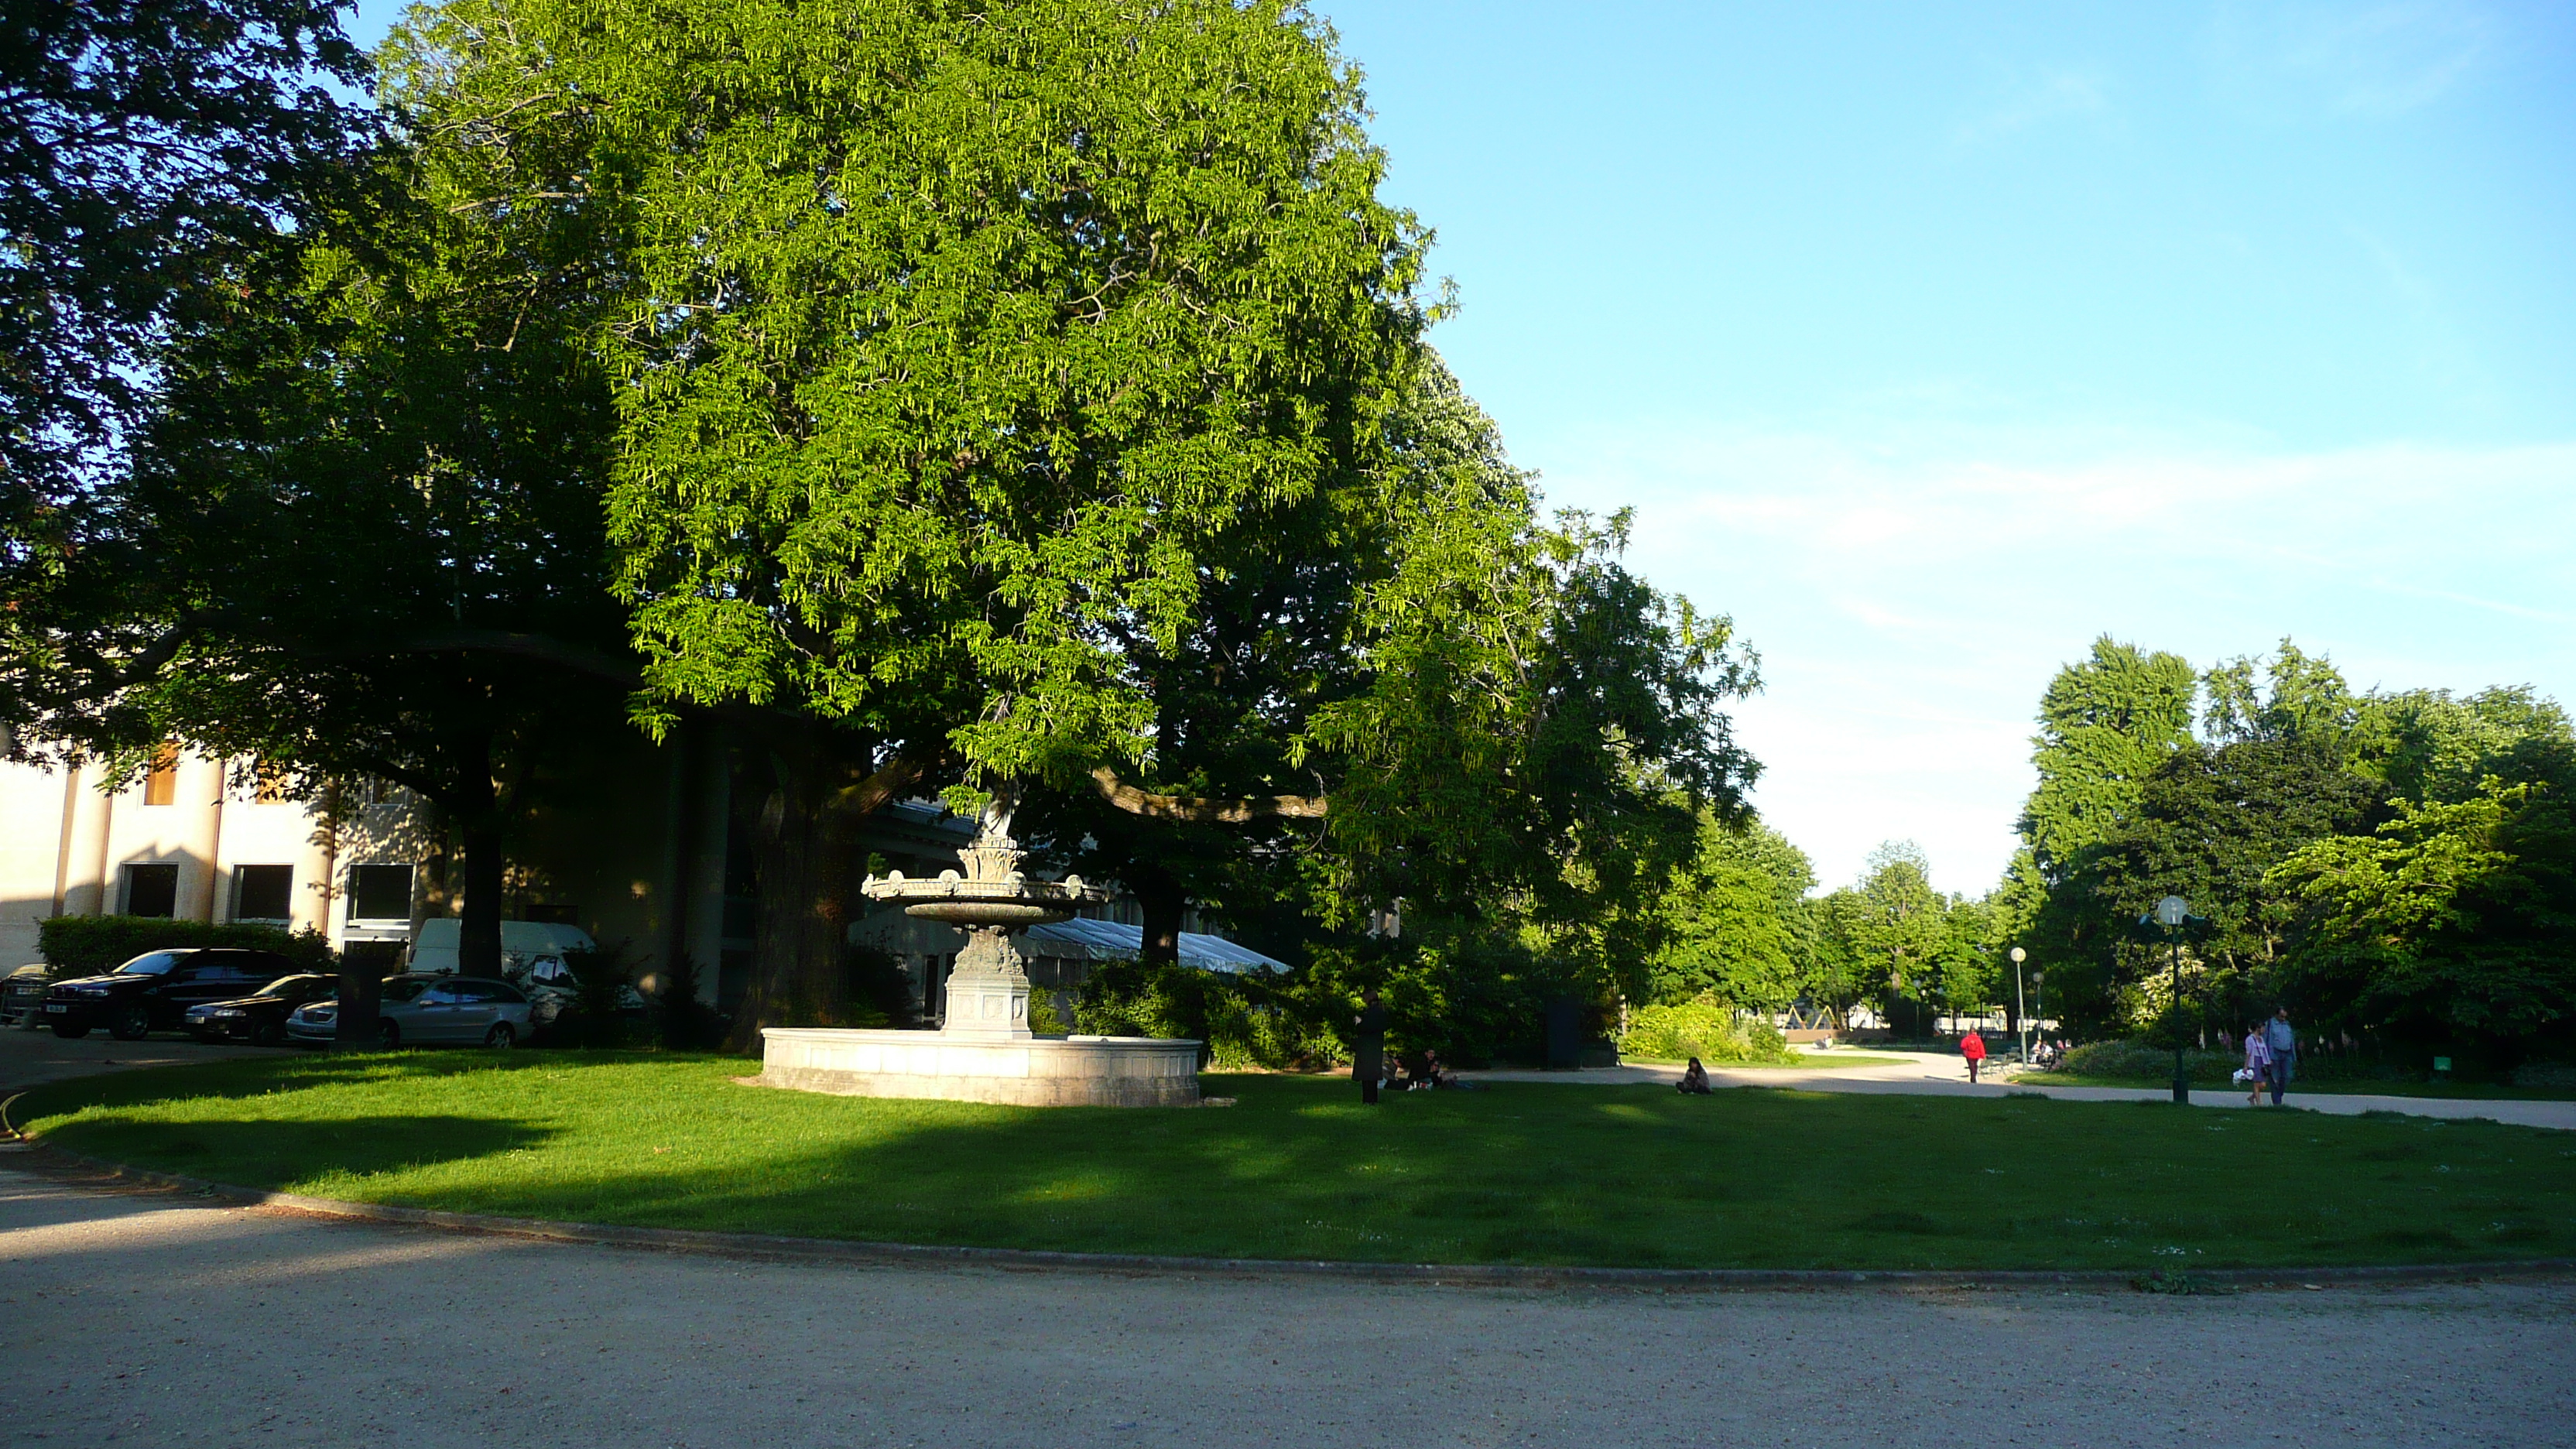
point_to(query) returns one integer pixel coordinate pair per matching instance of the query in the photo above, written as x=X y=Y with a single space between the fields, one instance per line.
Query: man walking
x=1368 y=1045
x=2283 y=1043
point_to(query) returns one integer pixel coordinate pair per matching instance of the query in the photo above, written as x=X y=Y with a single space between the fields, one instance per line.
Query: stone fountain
x=985 y=1052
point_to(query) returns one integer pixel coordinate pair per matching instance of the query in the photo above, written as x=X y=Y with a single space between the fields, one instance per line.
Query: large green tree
x=2105 y=723
x=1734 y=920
x=144 y=145
x=2452 y=923
x=1009 y=392
x=361 y=534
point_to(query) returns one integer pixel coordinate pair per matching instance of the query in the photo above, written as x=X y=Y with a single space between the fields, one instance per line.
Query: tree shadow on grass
x=287 y=1154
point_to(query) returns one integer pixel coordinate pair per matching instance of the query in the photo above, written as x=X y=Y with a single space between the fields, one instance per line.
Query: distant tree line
x=2398 y=867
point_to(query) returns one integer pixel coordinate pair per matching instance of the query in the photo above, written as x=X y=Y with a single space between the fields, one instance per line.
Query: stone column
x=85 y=890
x=988 y=993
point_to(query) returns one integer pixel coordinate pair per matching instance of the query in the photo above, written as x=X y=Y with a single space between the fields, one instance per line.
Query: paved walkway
x=158 y=1320
x=1944 y=1074
x=32 y=1058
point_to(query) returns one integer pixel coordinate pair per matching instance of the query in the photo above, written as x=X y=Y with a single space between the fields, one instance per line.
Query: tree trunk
x=361 y=1000
x=478 y=934
x=1164 y=903
x=807 y=857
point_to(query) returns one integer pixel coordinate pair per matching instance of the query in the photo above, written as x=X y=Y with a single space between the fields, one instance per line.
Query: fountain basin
x=1022 y=1071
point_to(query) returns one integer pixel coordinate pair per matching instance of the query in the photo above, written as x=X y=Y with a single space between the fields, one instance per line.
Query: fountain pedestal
x=985 y=1051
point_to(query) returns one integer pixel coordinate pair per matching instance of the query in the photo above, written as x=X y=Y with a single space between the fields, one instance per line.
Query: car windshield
x=299 y=985
x=156 y=964
x=401 y=989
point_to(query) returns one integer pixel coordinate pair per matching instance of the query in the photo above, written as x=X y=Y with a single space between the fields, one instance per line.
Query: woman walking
x=1973 y=1047
x=2258 y=1062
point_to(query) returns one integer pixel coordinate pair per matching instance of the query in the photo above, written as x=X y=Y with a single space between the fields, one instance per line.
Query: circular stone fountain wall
x=985 y=1051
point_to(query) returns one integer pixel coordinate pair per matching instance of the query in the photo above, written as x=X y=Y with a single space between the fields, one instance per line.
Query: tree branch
x=1187 y=807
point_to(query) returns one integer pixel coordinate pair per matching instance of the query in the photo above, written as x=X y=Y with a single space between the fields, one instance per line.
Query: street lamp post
x=2021 y=1009
x=2171 y=913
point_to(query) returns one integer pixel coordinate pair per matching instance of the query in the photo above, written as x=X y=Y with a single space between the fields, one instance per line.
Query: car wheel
x=268 y=1034
x=502 y=1036
x=388 y=1035
x=130 y=1022
x=65 y=1028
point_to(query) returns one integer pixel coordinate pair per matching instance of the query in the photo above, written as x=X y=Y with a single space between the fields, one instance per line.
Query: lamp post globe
x=2021 y=1012
x=2171 y=913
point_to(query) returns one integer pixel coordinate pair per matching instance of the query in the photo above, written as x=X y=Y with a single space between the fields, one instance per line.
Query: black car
x=153 y=991
x=259 y=1018
x=22 y=992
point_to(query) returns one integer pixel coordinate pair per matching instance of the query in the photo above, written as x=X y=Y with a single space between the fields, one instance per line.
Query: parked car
x=153 y=991
x=427 y=1010
x=22 y=993
x=259 y=1018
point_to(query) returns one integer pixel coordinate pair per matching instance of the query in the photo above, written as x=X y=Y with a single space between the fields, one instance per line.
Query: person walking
x=2258 y=1063
x=1973 y=1047
x=1368 y=1046
x=2283 y=1046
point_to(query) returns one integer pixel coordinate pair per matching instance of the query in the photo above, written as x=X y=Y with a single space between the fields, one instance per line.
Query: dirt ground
x=149 y=1319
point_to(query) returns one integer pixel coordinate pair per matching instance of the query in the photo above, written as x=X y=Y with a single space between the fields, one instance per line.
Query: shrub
x=681 y=1021
x=88 y=945
x=1704 y=1029
x=1249 y=1020
x=2148 y=1062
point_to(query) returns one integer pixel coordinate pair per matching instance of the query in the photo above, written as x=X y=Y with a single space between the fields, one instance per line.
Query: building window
x=380 y=893
x=263 y=892
x=161 y=782
x=152 y=890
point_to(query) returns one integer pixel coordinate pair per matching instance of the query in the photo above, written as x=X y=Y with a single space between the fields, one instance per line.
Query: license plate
x=56 y=1007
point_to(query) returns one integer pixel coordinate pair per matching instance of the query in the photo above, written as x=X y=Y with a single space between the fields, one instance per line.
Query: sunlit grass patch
x=1529 y=1173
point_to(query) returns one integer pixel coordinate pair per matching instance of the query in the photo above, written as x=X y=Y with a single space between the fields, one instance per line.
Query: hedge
x=89 y=945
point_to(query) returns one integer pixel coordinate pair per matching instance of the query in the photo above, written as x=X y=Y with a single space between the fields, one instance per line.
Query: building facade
x=647 y=847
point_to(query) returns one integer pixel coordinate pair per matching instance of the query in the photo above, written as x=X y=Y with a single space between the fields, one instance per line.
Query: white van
x=533 y=950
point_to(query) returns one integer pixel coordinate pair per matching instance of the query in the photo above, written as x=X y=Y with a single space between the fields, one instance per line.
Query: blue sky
x=1931 y=342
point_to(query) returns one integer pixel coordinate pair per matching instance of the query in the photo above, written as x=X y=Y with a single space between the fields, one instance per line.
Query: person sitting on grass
x=1694 y=1082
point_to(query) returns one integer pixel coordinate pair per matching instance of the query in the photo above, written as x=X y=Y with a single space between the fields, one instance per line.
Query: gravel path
x=1945 y=1075
x=151 y=1319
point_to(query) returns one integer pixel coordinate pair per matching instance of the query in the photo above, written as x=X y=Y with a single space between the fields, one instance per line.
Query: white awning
x=1085 y=940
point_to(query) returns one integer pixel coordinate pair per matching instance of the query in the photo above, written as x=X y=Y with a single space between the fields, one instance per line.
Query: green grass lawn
x=2332 y=1086
x=1514 y=1173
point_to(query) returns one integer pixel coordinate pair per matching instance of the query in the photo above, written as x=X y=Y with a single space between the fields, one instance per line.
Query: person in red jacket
x=1973 y=1047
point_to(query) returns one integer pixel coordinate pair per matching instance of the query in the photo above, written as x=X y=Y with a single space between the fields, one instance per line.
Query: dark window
x=380 y=893
x=263 y=892
x=403 y=988
x=446 y=993
x=484 y=991
x=152 y=890
x=153 y=963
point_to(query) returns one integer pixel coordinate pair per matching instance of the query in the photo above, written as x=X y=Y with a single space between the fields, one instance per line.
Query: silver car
x=427 y=1011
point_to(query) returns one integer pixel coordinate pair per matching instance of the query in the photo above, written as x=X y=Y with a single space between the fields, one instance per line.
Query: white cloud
x=1913 y=589
x=2050 y=95
x=2372 y=60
